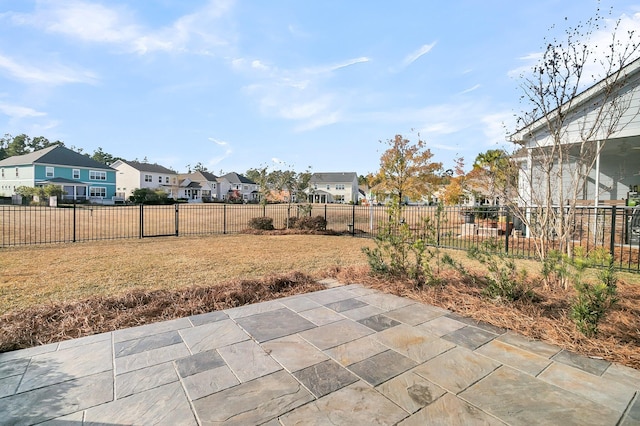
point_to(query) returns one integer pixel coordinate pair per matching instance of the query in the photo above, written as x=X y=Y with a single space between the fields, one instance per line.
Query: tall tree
x=564 y=135
x=406 y=170
x=104 y=157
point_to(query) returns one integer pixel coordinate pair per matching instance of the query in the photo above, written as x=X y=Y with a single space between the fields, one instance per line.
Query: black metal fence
x=615 y=229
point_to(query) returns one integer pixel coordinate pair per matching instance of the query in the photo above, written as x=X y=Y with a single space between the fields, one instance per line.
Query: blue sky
x=278 y=83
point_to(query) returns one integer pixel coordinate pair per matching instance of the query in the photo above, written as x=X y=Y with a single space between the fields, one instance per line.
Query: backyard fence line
x=613 y=228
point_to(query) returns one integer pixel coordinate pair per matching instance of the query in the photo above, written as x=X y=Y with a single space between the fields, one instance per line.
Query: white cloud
x=228 y=150
x=16 y=111
x=496 y=125
x=414 y=56
x=470 y=89
x=54 y=74
x=199 y=32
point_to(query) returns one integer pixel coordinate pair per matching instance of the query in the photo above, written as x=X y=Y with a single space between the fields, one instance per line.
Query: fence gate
x=158 y=221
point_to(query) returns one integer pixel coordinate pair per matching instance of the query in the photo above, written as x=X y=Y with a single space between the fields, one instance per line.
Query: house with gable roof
x=132 y=175
x=235 y=186
x=80 y=177
x=199 y=186
x=337 y=187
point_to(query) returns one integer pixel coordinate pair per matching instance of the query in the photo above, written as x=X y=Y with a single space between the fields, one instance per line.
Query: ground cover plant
x=55 y=292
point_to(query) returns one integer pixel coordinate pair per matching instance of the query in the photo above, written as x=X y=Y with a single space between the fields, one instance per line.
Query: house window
x=159 y=179
x=328 y=187
x=49 y=172
x=97 y=191
x=340 y=186
x=97 y=175
x=148 y=178
x=76 y=173
x=17 y=172
x=2 y=172
x=166 y=179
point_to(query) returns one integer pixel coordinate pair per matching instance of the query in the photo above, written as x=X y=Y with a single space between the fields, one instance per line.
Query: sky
x=283 y=84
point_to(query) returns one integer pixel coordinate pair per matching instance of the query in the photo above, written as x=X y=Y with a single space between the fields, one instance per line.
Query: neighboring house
x=132 y=175
x=617 y=167
x=199 y=186
x=235 y=186
x=339 y=187
x=80 y=177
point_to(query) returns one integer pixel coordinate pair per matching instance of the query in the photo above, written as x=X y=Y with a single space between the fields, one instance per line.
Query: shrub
x=317 y=223
x=503 y=281
x=149 y=196
x=263 y=223
x=593 y=300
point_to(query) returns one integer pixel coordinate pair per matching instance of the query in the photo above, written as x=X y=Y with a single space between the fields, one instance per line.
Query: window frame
x=97 y=175
x=102 y=189
x=75 y=173
x=49 y=171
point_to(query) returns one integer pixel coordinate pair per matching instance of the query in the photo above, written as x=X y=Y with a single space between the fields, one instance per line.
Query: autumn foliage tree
x=406 y=170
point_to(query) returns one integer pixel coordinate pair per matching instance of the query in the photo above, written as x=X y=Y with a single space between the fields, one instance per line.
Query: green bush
x=504 y=282
x=593 y=300
x=150 y=196
x=262 y=223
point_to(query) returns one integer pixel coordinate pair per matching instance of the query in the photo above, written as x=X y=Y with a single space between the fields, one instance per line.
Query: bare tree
x=576 y=98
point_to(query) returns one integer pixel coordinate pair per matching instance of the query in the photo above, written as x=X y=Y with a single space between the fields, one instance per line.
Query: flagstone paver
x=166 y=404
x=321 y=315
x=294 y=353
x=253 y=402
x=449 y=410
x=411 y=391
x=356 y=404
x=611 y=394
x=382 y=367
x=457 y=369
x=514 y=357
x=413 y=343
x=356 y=350
x=144 y=379
x=336 y=333
x=269 y=325
x=520 y=399
x=416 y=313
x=325 y=377
x=345 y=355
x=248 y=360
x=470 y=337
x=590 y=365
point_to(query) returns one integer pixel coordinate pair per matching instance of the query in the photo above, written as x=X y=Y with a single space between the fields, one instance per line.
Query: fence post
x=74 y=220
x=224 y=218
x=141 y=221
x=177 y=221
x=612 y=237
x=506 y=229
x=353 y=220
x=264 y=210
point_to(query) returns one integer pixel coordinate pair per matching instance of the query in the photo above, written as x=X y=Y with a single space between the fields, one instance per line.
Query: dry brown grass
x=56 y=292
x=32 y=276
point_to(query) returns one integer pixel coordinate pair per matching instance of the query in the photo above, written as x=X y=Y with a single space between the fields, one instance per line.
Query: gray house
x=333 y=187
x=616 y=156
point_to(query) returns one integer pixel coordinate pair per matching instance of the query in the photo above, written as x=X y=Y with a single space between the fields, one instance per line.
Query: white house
x=234 y=186
x=199 y=186
x=616 y=168
x=334 y=187
x=131 y=175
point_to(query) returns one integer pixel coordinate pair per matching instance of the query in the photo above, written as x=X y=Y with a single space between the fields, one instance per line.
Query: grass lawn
x=55 y=292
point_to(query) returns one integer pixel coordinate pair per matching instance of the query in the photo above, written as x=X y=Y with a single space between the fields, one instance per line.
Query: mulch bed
x=61 y=321
x=545 y=318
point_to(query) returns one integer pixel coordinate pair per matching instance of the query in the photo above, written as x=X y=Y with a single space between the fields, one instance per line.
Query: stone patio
x=345 y=355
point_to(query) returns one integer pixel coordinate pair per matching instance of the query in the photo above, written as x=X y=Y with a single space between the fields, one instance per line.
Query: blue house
x=80 y=177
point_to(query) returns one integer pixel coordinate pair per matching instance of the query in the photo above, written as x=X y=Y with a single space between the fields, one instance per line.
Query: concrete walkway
x=346 y=355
